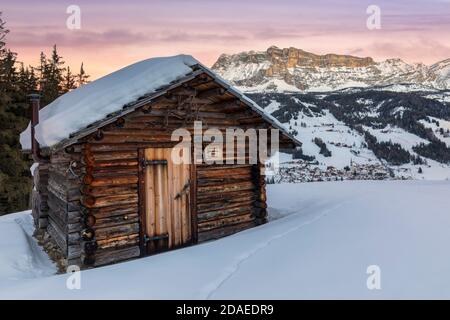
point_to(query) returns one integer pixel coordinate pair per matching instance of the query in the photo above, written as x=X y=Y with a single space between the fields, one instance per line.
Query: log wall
x=64 y=215
x=39 y=195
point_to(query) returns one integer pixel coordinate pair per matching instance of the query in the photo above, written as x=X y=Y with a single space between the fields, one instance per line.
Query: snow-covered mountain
x=294 y=70
x=357 y=118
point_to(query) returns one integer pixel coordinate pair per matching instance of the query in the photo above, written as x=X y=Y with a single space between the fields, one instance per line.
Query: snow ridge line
x=245 y=257
x=38 y=262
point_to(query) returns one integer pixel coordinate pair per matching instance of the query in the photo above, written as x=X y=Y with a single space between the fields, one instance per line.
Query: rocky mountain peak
x=292 y=57
x=293 y=69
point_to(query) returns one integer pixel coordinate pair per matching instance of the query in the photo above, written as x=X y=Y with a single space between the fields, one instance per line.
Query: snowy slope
x=397 y=135
x=346 y=145
x=314 y=115
x=442 y=131
x=20 y=256
x=320 y=245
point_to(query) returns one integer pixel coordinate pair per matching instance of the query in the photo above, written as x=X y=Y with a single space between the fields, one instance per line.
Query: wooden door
x=167 y=221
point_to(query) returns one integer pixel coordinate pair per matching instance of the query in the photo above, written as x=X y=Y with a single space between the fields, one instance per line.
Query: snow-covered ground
x=21 y=257
x=320 y=241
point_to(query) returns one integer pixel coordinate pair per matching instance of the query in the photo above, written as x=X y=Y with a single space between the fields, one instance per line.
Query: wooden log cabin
x=105 y=187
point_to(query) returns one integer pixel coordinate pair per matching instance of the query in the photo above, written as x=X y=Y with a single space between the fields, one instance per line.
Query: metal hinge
x=155 y=238
x=153 y=162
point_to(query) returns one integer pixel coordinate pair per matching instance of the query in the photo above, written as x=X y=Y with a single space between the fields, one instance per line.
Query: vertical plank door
x=167 y=200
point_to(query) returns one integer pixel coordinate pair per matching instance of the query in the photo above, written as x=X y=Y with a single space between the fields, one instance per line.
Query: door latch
x=183 y=191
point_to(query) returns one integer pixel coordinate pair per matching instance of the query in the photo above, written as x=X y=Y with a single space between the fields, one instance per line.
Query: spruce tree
x=82 y=77
x=15 y=182
x=69 y=81
x=51 y=79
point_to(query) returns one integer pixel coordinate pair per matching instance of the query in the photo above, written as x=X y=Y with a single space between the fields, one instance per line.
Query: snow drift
x=319 y=244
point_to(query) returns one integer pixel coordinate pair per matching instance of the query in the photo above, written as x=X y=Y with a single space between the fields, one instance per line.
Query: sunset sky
x=121 y=32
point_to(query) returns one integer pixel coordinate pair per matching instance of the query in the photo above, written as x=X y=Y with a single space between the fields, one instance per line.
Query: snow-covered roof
x=93 y=102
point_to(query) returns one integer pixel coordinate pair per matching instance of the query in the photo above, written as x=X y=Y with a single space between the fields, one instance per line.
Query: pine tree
x=8 y=71
x=43 y=72
x=15 y=182
x=82 y=77
x=27 y=81
x=3 y=33
x=69 y=81
x=52 y=78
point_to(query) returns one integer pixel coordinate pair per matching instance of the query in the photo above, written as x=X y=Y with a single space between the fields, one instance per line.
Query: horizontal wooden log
x=118 y=242
x=64 y=157
x=212 y=216
x=246 y=200
x=74 y=227
x=229 y=187
x=106 y=147
x=228 y=221
x=58 y=214
x=117 y=220
x=136 y=138
x=222 y=106
x=74 y=149
x=73 y=238
x=112 y=200
x=222 y=181
x=114 y=181
x=114 y=255
x=112 y=211
x=74 y=251
x=224 y=231
x=222 y=196
x=211 y=93
x=108 y=190
x=221 y=167
x=117 y=155
x=116 y=231
x=113 y=171
x=116 y=163
x=58 y=236
x=226 y=174
x=62 y=174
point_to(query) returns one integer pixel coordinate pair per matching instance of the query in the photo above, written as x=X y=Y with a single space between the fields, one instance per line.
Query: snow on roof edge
x=92 y=102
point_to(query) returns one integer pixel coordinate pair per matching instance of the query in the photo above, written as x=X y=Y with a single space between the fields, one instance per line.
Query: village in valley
x=297 y=171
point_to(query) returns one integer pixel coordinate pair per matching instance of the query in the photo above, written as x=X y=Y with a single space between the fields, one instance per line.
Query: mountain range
x=293 y=70
x=356 y=118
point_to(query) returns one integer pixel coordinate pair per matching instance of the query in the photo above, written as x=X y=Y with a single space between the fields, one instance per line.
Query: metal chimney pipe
x=35 y=106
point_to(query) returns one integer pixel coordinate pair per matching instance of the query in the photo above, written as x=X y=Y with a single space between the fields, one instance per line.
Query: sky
x=116 y=33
